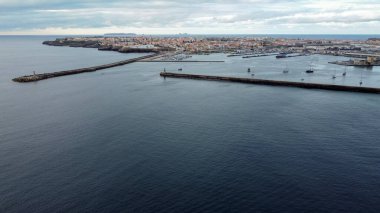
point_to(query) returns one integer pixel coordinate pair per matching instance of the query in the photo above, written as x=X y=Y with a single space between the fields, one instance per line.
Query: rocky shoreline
x=84 y=43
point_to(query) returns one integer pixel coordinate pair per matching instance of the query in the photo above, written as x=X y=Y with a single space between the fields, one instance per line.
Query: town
x=361 y=52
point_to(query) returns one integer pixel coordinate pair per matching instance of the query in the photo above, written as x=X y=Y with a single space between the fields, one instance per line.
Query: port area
x=278 y=55
x=252 y=55
x=177 y=57
x=291 y=55
x=273 y=82
x=359 y=63
x=360 y=60
x=43 y=76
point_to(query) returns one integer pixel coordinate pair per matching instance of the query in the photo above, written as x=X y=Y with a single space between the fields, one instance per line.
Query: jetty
x=281 y=56
x=43 y=76
x=259 y=55
x=273 y=82
x=183 y=61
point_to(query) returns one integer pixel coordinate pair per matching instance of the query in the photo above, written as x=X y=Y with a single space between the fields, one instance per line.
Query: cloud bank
x=169 y=16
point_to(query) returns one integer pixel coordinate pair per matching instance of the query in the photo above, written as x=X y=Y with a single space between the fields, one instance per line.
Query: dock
x=43 y=76
x=187 y=61
x=274 y=82
x=259 y=55
x=292 y=56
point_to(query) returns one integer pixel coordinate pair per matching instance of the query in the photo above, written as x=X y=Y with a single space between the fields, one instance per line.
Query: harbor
x=314 y=69
x=88 y=133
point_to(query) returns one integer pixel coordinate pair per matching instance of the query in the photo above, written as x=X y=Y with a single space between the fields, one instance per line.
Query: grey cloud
x=41 y=14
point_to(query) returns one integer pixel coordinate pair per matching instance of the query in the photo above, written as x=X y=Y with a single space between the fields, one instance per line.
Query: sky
x=55 y=17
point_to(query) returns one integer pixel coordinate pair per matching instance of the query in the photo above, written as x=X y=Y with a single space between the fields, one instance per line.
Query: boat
x=345 y=72
x=180 y=69
x=310 y=70
x=249 y=70
x=282 y=55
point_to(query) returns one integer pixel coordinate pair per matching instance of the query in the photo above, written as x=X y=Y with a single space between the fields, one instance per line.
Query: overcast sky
x=190 y=16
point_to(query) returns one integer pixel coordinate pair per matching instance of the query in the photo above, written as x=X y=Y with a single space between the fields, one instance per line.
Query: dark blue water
x=126 y=140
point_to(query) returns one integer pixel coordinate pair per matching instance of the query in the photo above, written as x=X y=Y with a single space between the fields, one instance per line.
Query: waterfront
x=272 y=69
x=127 y=139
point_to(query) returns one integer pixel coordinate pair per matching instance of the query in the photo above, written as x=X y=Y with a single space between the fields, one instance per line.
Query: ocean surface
x=127 y=140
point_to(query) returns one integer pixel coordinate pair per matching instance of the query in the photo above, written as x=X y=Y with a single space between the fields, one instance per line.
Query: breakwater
x=274 y=82
x=42 y=76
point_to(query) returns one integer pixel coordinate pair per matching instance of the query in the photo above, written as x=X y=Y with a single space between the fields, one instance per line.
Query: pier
x=42 y=76
x=187 y=61
x=291 y=56
x=274 y=82
x=259 y=55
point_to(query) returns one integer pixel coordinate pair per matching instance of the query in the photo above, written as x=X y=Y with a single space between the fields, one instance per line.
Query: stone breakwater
x=42 y=76
x=274 y=83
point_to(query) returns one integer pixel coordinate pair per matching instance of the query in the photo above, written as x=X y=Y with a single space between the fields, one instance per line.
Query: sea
x=127 y=140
